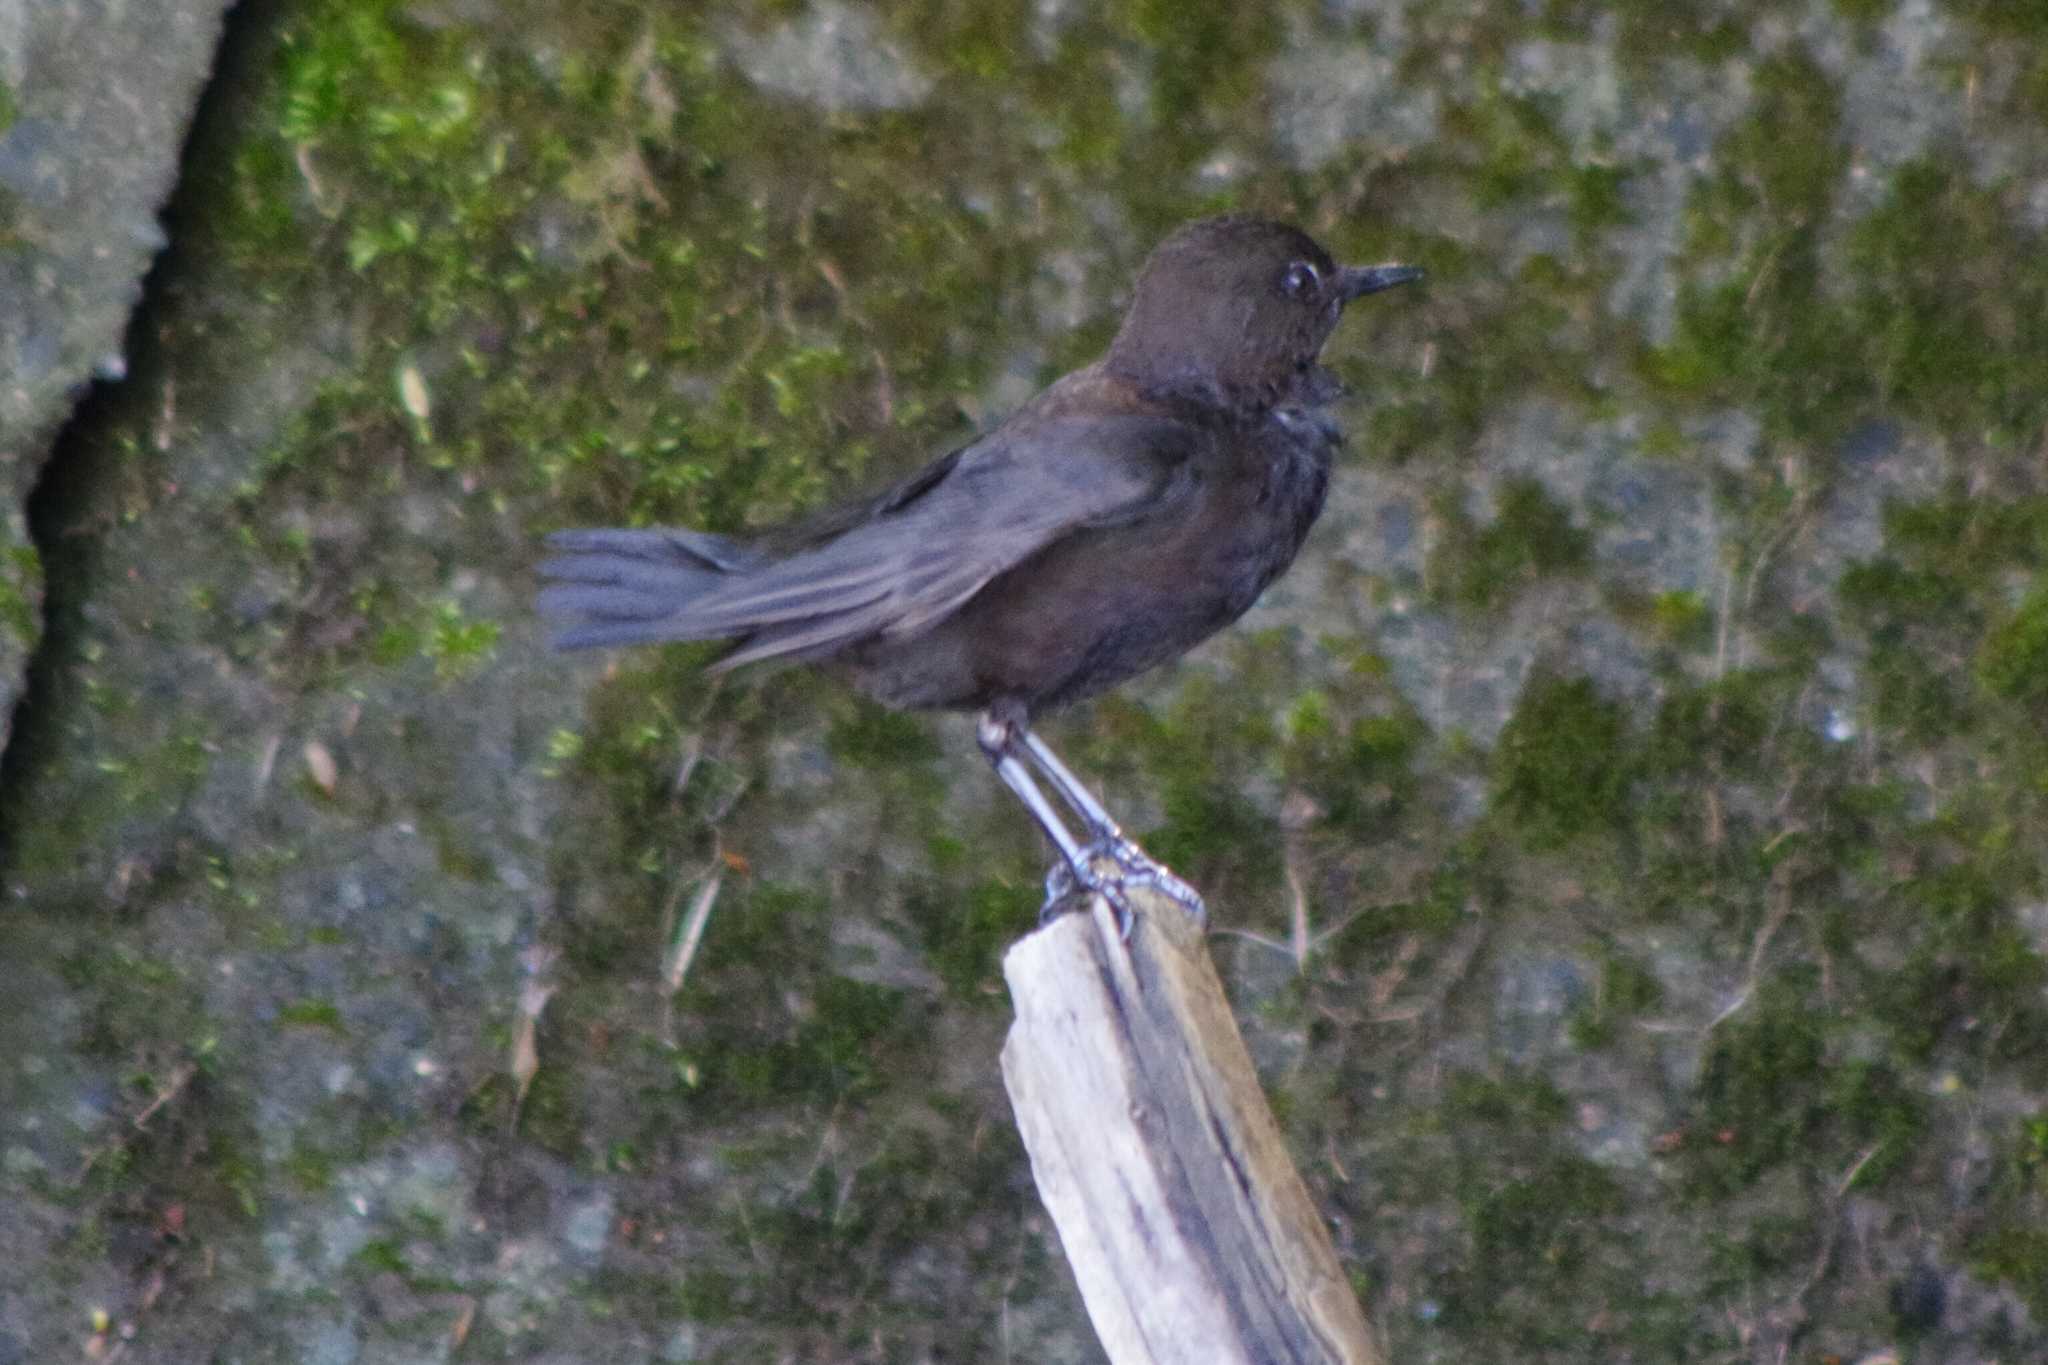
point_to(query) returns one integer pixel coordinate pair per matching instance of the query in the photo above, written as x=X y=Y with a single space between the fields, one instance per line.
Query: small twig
x=180 y=1078
x=1855 y=1169
x=693 y=753
x=1721 y=632
x=1794 y=519
x=683 y=947
x=1293 y=946
x=534 y=993
x=1769 y=264
x=1251 y=937
x=173 y=1086
x=1385 y=983
x=1780 y=911
x=1297 y=915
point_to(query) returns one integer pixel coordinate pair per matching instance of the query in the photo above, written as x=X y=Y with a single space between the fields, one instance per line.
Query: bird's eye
x=1301 y=281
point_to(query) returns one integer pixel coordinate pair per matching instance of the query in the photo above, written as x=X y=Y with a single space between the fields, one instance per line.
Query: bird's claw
x=1133 y=867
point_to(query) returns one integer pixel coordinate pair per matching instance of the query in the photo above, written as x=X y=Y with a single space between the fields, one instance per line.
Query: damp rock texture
x=1624 y=827
x=95 y=98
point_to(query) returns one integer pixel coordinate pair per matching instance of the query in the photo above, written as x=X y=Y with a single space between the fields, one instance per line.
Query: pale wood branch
x=1181 y=1213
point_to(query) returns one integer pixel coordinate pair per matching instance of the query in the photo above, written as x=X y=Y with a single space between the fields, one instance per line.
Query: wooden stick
x=1184 y=1220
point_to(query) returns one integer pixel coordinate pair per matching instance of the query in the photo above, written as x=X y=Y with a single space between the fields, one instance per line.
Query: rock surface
x=1624 y=827
x=95 y=98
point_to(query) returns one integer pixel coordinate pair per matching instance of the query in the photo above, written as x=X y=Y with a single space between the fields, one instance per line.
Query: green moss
x=2028 y=19
x=849 y=1035
x=1968 y=959
x=1917 y=699
x=1540 y=1231
x=1561 y=768
x=552 y=1113
x=708 y=1295
x=787 y=1245
x=1755 y=327
x=309 y=1167
x=1651 y=33
x=1759 y=1091
x=1626 y=990
x=1528 y=334
x=1206 y=61
x=1789 y=149
x=966 y=935
x=1717 y=727
x=1434 y=915
x=1515 y=1102
x=1350 y=746
x=1970 y=538
x=1598 y=197
x=1530 y=537
x=383 y=1255
x=1772 y=1093
x=1928 y=602
x=1958 y=353
x=392 y=117
x=1519 y=147
x=868 y=735
x=2018 y=1255
x=1682 y=619
x=1911 y=337
x=130 y=998
x=2010 y=1243
x=2013 y=661
x=1745 y=1253
x=459 y=646
x=1543 y=1222
x=1877 y=1108
x=20 y=583
x=317 y=1014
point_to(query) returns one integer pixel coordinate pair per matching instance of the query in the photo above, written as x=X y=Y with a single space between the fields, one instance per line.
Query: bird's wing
x=934 y=541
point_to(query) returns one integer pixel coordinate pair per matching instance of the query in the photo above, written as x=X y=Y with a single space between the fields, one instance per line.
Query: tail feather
x=743 y=605
x=819 y=635
x=659 y=544
x=618 y=587
x=635 y=586
x=602 y=602
x=674 y=580
x=596 y=634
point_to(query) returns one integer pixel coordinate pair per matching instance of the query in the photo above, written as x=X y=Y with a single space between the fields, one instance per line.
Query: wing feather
x=909 y=559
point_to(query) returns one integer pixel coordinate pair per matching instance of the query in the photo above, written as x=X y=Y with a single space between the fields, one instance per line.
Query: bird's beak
x=1356 y=281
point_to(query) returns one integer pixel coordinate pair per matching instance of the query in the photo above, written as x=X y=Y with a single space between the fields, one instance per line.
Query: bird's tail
x=623 y=587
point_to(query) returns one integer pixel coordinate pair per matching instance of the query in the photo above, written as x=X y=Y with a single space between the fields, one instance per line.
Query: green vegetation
x=2014 y=659
x=440 y=286
x=1561 y=769
x=1530 y=537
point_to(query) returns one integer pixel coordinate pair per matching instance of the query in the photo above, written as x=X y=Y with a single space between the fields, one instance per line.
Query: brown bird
x=1116 y=520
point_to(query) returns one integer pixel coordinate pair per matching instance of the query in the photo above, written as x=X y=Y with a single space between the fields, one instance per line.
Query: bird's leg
x=998 y=742
x=1068 y=787
x=1004 y=740
x=1108 y=837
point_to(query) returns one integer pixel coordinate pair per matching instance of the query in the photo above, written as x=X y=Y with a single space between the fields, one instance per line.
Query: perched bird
x=1116 y=520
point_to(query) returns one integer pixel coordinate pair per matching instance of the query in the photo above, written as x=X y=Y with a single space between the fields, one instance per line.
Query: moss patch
x=1561 y=768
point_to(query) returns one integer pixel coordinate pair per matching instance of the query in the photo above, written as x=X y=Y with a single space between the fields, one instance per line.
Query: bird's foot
x=1129 y=866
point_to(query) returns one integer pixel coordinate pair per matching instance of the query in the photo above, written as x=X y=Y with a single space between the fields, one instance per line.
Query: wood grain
x=1181 y=1213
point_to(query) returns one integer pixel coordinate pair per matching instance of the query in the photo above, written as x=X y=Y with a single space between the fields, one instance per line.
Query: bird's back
x=1108 y=601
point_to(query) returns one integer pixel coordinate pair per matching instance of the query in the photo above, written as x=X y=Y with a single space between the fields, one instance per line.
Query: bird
x=1127 y=512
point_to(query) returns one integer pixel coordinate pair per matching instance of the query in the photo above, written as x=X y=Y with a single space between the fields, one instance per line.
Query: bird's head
x=1236 y=309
